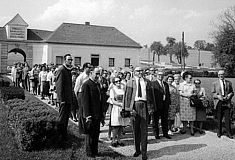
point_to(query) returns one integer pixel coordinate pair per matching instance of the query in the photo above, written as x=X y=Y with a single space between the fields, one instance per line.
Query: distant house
x=101 y=45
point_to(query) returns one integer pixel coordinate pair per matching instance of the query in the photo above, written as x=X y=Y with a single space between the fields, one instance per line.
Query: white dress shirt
x=143 y=89
x=79 y=82
x=222 y=86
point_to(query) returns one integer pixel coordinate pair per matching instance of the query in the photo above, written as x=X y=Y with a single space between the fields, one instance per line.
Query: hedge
x=11 y=92
x=33 y=122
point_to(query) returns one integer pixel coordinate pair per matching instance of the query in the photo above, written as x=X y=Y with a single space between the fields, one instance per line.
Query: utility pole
x=182 y=53
x=199 y=58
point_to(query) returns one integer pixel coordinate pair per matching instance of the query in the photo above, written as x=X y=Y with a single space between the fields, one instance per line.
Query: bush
x=34 y=124
x=11 y=92
x=4 y=83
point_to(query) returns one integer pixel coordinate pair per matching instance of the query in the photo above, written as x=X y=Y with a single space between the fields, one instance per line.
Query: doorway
x=95 y=60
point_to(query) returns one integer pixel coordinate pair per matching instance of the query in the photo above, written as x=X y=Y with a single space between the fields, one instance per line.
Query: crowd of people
x=87 y=94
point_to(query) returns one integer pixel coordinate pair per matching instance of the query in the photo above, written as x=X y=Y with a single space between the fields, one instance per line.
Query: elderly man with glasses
x=222 y=93
x=136 y=99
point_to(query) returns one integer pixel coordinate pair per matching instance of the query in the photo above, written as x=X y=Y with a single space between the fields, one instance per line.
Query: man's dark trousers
x=92 y=138
x=163 y=113
x=64 y=112
x=140 y=127
x=223 y=111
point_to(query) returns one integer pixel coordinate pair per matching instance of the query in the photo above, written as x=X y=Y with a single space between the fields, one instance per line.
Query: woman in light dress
x=117 y=122
x=187 y=113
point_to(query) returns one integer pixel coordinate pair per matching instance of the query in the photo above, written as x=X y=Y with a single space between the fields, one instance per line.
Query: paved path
x=181 y=147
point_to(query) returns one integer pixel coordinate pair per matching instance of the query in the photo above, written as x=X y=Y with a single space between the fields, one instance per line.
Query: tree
x=169 y=47
x=158 y=49
x=224 y=37
x=200 y=45
x=177 y=51
x=210 y=47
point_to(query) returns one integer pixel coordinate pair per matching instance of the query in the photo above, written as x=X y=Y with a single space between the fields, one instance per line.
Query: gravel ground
x=181 y=147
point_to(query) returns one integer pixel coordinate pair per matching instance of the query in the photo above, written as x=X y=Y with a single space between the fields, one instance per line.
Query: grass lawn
x=74 y=148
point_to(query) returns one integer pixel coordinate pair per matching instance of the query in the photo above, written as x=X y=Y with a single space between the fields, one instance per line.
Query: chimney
x=87 y=23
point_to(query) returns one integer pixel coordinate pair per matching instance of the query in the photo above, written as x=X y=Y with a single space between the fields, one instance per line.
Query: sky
x=144 y=21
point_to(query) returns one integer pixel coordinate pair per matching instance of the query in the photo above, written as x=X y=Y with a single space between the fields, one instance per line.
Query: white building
x=101 y=45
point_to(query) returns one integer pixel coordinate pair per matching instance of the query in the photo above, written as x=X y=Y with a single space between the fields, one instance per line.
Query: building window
x=127 y=62
x=111 y=62
x=77 y=61
x=59 y=60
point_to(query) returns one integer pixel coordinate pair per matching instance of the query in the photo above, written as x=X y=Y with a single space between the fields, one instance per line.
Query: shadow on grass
x=173 y=150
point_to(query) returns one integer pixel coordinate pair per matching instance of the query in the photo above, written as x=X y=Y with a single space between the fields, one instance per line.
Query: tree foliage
x=157 y=49
x=224 y=37
x=177 y=51
x=200 y=44
x=169 y=47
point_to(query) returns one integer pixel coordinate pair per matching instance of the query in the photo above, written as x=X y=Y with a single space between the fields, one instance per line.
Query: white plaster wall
x=192 y=59
x=104 y=54
x=45 y=54
x=37 y=53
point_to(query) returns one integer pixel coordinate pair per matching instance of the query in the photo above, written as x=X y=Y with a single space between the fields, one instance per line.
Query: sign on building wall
x=17 y=32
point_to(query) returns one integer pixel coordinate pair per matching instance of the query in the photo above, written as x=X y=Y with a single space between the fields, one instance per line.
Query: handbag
x=195 y=101
x=125 y=114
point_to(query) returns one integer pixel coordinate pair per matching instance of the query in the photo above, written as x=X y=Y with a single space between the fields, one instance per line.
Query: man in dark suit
x=92 y=112
x=64 y=94
x=104 y=88
x=222 y=93
x=161 y=101
x=136 y=100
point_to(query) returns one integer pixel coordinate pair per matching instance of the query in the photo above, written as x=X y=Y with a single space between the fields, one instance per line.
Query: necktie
x=163 y=86
x=223 y=87
x=139 y=89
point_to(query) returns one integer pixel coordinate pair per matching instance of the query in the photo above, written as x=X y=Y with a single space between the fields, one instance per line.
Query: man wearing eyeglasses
x=136 y=99
x=151 y=75
x=222 y=93
x=64 y=94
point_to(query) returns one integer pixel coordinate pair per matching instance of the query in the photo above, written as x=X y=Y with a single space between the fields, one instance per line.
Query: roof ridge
x=88 y=25
x=53 y=32
x=40 y=30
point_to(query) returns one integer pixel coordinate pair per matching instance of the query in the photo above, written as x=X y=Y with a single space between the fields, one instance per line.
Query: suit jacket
x=217 y=90
x=130 y=92
x=157 y=93
x=63 y=82
x=91 y=100
x=151 y=77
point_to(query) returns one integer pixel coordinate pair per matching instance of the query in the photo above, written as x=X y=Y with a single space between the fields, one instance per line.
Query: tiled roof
x=91 y=35
x=35 y=34
x=3 y=34
x=68 y=33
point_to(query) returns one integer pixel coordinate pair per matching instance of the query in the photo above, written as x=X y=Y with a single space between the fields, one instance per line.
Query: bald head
x=95 y=74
